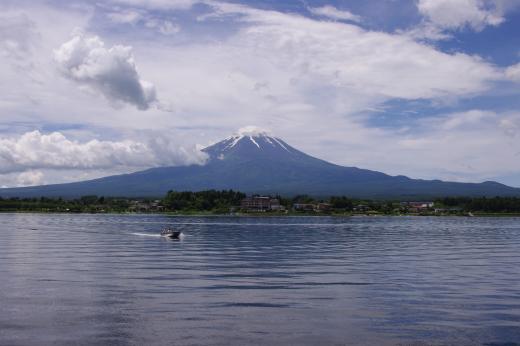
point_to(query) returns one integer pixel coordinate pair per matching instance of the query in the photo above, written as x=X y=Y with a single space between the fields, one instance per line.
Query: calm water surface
x=108 y=279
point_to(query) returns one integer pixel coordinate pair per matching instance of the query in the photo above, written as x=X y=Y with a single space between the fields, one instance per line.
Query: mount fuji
x=255 y=162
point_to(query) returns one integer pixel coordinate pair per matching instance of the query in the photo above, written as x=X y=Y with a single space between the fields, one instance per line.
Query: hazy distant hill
x=264 y=164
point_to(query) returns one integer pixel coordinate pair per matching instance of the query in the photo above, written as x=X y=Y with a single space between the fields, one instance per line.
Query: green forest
x=210 y=200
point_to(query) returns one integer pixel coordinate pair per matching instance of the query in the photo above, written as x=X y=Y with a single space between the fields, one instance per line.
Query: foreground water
x=108 y=279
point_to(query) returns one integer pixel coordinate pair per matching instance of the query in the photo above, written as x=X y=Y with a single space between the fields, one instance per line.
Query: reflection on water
x=108 y=279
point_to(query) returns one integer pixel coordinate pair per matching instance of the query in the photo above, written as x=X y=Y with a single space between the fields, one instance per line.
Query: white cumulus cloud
x=443 y=16
x=455 y=14
x=109 y=71
x=34 y=150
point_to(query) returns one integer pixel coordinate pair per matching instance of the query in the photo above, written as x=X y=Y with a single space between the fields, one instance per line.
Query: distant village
x=268 y=204
x=229 y=202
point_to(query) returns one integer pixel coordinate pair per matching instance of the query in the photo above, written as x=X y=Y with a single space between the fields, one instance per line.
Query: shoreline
x=260 y=215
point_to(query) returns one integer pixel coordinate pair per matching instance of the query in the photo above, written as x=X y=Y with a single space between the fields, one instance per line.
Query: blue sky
x=423 y=88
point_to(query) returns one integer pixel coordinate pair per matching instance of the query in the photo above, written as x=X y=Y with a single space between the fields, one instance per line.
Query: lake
x=109 y=279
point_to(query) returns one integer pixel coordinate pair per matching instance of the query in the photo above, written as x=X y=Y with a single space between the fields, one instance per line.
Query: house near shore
x=143 y=206
x=323 y=207
x=275 y=205
x=304 y=206
x=261 y=204
x=417 y=207
x=307 y=207
x=452 y=210
x=362 y=208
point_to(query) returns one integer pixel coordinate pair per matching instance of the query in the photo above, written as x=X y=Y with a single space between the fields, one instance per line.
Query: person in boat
x=168 y=232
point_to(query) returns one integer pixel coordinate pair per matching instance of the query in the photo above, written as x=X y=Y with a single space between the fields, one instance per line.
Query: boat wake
x=147 y=235
x=181 y=236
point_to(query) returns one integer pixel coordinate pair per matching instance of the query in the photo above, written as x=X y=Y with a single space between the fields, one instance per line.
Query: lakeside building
x=304 y=206
x=452 y=210
x=420 y=205
x=416 y=207
x=362 y=208
x=323 y=207
x=275 y=205
x=144 y=206
x=260 y=204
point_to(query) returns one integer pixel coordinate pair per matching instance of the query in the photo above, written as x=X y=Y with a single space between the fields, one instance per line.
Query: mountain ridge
x=256 y=162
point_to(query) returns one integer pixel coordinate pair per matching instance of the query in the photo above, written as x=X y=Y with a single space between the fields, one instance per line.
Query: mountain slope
x=258 y=163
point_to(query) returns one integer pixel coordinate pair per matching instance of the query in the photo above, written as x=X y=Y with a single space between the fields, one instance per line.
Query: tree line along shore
x=226 y=202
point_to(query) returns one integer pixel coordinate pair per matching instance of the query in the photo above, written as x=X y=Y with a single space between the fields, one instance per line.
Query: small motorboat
x=170 y=233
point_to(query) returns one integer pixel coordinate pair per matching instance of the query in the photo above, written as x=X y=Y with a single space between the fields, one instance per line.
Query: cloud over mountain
x=34 y=150
x=30 y=178
x=109 y=71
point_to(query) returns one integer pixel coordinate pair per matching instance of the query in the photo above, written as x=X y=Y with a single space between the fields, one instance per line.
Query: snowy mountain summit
x=250 y=140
